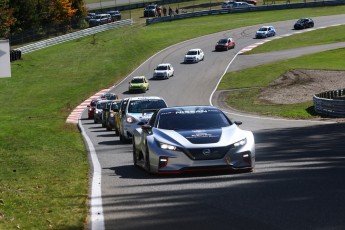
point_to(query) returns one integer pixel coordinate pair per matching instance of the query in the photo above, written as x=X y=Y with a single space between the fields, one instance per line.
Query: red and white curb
x=76 y=113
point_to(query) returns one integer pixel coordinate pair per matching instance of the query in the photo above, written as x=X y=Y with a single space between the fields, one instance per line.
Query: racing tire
x=135 y=162
x=108 y=127
x=147 y=161
x=121 y=137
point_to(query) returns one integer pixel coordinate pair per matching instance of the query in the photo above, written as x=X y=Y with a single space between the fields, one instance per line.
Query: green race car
x=139 y=83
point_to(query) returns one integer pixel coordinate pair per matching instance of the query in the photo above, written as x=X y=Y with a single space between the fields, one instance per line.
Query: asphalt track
x=298 y=180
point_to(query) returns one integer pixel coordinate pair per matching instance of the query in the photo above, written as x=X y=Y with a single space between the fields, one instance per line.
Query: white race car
x=192 y=138
x=194 y=55
x=163 y=71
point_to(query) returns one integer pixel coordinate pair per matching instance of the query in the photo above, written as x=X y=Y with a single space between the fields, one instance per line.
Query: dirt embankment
x=300 y=85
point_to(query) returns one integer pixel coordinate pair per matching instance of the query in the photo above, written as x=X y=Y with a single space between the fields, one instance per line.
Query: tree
x=35 y=19
x=6 y=19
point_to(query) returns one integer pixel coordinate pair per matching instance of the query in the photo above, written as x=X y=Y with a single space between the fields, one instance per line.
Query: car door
x=201 y=55
x=171 y=70
x=269 y=31
x=147 y=132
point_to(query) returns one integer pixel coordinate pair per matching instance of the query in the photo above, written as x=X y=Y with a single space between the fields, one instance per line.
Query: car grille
x=160 y=75
x=207 y=153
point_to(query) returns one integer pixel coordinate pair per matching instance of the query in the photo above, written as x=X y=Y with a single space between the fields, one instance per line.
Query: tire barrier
x=330 y=103
x=15 y=55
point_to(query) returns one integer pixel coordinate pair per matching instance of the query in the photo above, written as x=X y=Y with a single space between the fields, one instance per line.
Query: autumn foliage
x=43 y=16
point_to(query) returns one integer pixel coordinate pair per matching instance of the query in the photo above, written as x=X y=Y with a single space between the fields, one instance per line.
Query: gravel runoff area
x=299 y=85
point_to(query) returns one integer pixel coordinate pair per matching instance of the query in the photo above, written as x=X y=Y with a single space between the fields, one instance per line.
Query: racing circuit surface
x=298 y=182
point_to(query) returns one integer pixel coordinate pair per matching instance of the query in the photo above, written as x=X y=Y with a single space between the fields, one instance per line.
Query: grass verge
x=314 y=37
x=261 y=76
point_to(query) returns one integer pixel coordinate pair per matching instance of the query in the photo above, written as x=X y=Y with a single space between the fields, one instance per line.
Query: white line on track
x=96 y=208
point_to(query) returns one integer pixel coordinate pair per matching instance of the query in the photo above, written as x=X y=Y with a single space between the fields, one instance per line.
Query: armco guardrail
x=74 y=35
x=330 y=103
x=249 y=9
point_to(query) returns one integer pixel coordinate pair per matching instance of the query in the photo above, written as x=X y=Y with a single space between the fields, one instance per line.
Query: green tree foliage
x=6 y=19
x=45 y=15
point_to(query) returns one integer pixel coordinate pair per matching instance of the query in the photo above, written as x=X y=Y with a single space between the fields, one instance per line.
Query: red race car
x=91 y=109
x=225 y=44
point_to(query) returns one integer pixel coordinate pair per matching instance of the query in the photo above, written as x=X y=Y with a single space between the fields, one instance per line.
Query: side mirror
x=146 y=128
x=238 y=122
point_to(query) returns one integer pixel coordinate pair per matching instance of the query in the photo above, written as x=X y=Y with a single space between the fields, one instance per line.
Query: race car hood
x=136 y=84
x=202 y=136
x=144 y=117
x=261 y=32
x=221 y=136
x=160 y=71
x=190 y=56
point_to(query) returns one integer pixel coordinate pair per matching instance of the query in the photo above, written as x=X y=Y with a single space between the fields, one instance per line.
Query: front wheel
x=147 y=161
x=116 y=132
x=135 y=162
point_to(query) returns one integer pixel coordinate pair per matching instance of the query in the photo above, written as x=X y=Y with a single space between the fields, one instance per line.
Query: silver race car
x=192 y=138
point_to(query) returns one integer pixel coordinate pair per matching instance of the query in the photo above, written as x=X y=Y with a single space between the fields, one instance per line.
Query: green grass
x=310 y=38
x=249 y=80
x=44 y=166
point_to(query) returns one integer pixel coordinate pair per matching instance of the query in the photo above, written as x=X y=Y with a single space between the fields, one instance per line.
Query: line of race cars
x=170 y=140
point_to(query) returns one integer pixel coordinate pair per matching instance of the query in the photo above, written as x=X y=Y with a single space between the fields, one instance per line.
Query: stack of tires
x=15 y=55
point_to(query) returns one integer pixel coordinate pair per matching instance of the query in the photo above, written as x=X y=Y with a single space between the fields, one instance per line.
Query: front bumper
x=136 y=89
x=261 y=36
x=178 y=162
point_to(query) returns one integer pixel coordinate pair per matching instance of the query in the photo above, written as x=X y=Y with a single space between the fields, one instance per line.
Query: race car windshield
x=137 y=80
x=101 y=105
x=263 y=29
x=192 y=53
x=140 y=105
x=210 y=119
x=222 y=41
x=162 y=67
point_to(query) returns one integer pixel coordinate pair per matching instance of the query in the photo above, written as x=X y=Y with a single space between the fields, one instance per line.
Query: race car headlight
x=240 y=143
x=167 y=146
x=130 y=119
